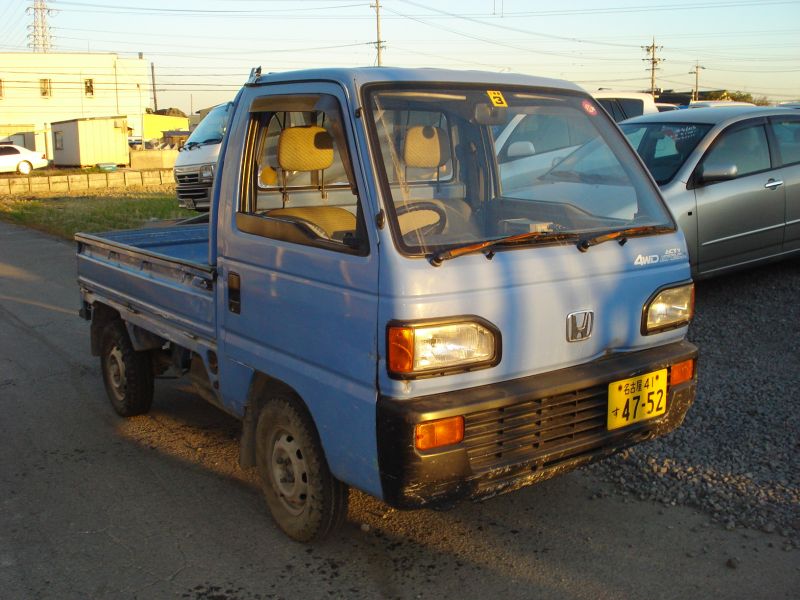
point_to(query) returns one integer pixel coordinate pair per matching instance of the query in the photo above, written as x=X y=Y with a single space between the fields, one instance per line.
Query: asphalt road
x=93 y=506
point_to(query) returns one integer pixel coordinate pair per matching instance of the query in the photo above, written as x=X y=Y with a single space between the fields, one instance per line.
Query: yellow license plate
x=637 y=399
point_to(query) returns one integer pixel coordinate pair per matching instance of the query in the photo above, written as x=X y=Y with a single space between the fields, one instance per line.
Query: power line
x=654 y=62
x=40 y=36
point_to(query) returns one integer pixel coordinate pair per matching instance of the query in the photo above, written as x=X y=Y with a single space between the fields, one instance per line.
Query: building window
x=1 y=88
x=45 y=85
x=59 y=140
x=88 y=87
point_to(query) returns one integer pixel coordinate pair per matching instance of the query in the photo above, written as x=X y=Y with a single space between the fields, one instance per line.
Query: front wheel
x=305 y=500
x=127 y=374
x=24 y=168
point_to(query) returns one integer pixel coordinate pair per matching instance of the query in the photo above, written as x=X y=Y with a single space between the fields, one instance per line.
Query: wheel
x=24 y=168
x=127 y=374
x=408 y=224
x=306 y=501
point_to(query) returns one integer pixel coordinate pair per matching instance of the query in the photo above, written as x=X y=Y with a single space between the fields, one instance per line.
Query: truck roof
x=364 y=75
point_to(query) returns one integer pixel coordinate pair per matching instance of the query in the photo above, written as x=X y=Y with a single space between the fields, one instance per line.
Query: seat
x=331 y=222
x=428 y=147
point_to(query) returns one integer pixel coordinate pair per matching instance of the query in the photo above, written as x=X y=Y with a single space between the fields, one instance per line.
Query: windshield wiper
x=621 y=235
x=531 y=236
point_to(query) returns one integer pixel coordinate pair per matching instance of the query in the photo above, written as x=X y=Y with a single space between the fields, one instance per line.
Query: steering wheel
x=427 y=228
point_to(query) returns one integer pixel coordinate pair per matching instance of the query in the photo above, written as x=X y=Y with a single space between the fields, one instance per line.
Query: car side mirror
x=711 y=173
x=520 y=150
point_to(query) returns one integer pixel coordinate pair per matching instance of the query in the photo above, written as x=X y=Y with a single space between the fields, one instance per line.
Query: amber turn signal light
x=680 y=372
x=442 y=432
x=400 y=357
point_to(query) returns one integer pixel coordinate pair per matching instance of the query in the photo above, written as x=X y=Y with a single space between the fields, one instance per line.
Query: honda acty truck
x=382 y=310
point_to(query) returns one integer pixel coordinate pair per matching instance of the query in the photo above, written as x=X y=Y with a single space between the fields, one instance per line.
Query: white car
x=19 y=159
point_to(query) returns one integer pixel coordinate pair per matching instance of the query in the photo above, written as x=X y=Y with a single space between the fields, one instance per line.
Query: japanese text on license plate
x=637 y=399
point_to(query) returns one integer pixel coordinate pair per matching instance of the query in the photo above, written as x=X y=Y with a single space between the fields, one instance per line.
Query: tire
x=24 y=168
x=305 y=500
x=127 y=374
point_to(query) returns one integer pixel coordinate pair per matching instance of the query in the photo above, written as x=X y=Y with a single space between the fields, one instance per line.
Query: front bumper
x=519 y=432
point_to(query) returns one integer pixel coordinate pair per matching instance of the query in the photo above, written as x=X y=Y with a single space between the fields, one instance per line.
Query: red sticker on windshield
x=589 y=108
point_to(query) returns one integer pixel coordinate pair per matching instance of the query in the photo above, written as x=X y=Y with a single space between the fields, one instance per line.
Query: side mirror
x=711 y=173
x=520 y=150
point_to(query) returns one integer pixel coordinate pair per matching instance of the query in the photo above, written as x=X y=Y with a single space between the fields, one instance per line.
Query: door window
x=787 y=134
x=300 y=186
x=744 y=148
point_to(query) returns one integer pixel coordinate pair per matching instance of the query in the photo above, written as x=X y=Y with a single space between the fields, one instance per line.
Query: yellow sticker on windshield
x=497 y=98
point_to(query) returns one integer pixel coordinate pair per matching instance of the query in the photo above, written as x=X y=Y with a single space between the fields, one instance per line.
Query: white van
x=625 y=105
x=194 y=167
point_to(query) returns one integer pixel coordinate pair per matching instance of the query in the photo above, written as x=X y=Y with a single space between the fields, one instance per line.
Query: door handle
x=234 y=293
x=772 y=184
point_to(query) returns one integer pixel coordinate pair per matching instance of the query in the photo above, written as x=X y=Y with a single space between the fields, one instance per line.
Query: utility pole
x=41 y=40
x=651 y=58
x=379 y=42
x=696 y=72
x=153 y=78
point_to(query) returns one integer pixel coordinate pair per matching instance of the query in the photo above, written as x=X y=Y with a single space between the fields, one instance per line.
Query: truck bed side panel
x=155 y=272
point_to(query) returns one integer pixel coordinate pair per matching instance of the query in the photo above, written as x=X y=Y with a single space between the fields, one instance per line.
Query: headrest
x=305 y=149
x=426 y=147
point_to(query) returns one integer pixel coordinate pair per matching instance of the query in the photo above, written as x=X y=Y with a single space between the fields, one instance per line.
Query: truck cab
x=382 y=311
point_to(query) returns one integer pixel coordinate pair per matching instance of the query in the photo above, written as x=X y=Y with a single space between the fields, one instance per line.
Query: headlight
x=207 y=172
x=440 y=348
x=668 y=308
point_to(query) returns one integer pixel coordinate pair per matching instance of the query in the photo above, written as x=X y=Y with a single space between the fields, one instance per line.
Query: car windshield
x=466 y=165
x=212 y=128
x=664 y=147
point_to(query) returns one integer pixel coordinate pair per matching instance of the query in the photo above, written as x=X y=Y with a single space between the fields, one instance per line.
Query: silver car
x=731 y=177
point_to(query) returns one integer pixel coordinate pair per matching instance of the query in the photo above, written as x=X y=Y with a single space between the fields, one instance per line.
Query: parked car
x=380 y=312
x=717 y=104
x=625 y=105
x=665 y=106
x=19 y=159
x=731 y=176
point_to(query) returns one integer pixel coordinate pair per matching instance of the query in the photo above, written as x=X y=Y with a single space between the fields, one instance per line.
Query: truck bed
x=158 y=278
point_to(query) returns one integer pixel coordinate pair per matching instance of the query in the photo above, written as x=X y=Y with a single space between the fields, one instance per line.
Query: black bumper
x=519 y=432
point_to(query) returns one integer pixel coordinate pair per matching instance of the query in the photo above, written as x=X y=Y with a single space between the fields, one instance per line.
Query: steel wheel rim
x=115 y=365
x=289 y=472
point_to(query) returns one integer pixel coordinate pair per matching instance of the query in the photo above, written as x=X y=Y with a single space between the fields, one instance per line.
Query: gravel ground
x=737 y=455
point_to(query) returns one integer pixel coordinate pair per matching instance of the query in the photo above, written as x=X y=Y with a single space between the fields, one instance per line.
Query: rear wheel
x=306 y=501
x=24 y=168
x=127 y=374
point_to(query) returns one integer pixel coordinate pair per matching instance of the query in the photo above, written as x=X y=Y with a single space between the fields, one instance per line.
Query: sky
x=203 y=50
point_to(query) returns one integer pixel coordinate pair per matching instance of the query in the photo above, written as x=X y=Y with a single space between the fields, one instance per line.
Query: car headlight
x=207 y=172
x=668 y=308
x=428 y=348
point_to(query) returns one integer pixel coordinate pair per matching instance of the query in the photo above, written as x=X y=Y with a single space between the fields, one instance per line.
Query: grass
x=65 y=215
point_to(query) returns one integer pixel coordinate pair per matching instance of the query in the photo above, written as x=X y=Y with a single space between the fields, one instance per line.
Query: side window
x=787 y=133
x=632 y=107
x=299 y=184
x=8 y=150
x=612 y=108
x=546 y=132
x=744 y=148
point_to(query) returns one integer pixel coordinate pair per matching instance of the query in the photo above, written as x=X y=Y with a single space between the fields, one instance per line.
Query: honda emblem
x=579 y=325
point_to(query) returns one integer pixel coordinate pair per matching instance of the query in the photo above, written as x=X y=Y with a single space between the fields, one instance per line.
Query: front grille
x=537 y=434
x=193 y=192
x=187 y=178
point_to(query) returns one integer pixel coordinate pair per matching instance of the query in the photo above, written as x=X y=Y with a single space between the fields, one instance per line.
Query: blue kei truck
x=388 y=301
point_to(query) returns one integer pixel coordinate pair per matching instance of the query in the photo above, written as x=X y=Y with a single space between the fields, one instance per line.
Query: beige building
x=91 y=141
x=39 y=88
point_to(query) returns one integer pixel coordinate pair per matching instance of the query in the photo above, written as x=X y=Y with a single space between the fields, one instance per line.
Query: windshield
x=466 y=165
x=211 y=129
x=664 y=147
